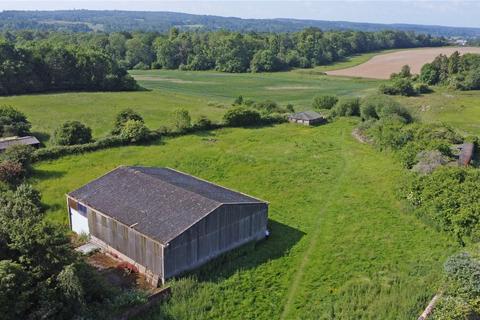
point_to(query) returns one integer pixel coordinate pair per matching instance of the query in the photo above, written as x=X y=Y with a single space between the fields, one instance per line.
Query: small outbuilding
x=308 y=118
x=163 y=221
x=12 y=141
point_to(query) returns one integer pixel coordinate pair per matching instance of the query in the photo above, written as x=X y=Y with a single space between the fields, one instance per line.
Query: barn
x=163 y=221
x=308 y=118
x=13 y=141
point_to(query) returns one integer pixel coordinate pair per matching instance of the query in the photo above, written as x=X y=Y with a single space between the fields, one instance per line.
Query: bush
x=238 y=101
x=267 y=106
x=203 y=123
x=242 y=117
x=422 y=88
x=324 y=102
x=59 y=151
x=347 y=107
x=19 y=153
x=399 y=86
x=446 y=197
x=122 y=117
x=134 y=131
x=290 y=108
x=11 y=173
x=72 y=132
x=182 y=120
x=378 y=106
x=13 y=122
x=465 y=273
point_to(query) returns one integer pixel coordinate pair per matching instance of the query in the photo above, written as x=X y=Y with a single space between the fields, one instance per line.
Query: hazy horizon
x=442 y=13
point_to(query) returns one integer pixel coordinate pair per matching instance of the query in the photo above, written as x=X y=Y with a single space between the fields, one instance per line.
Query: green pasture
x=341 y=245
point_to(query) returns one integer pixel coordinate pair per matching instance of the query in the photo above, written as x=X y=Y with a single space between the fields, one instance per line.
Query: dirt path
x=381 y=66
x=314 y=239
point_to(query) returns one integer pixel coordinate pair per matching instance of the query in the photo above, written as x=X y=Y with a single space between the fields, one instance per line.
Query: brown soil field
x=381 y=66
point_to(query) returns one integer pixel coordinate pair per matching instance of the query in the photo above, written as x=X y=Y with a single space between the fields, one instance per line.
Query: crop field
x=383 y=65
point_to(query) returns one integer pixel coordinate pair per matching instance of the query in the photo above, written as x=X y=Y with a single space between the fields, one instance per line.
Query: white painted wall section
x=79 y=222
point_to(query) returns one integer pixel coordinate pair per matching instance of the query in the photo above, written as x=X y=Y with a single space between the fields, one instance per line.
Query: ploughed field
x=383 y=65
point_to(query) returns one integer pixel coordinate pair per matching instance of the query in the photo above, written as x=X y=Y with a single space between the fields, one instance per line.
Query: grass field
x=201 y=93
x=341 y=244
x=341 y=247
x=461 y=109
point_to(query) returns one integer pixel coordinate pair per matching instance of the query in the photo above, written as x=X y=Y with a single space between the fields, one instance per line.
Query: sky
x=441 y=12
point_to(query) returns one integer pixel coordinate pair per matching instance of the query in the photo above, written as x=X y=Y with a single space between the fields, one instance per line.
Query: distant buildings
x=11 y=141
x=162 y=221
x=308 y=118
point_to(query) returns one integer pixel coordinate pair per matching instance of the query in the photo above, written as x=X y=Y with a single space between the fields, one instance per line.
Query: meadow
x=342 y=246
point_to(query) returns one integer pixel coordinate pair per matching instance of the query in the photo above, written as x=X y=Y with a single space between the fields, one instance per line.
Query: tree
x=13 y=122
x=324 y=102
x=405 y=72
x=182 y=120
x=347 y=107
x=134 y=131
x=71 y=133
x=15 y=293
x=429 y=74
x=124 y=116
x=266 y=61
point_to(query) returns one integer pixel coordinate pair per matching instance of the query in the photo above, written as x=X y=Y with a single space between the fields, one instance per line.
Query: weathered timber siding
x=227 y=227
x=131 y=243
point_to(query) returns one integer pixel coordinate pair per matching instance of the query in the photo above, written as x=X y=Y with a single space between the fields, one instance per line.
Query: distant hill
x=90 y=20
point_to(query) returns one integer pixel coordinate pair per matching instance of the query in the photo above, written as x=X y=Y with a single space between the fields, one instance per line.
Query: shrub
x=182 y=120
x=134 y=131
x=203 y=123
x=378 y=106
x=422 y=88
x=238 y=101
x=445 y=197
x=11 y=172
x=399 y=86
x=72 y=132
x=267 y=106
x=13 y=122
x=290 y=108
x=347 y=107
x=324 y=102
x=465 y=272
x=454 y=308
x=19 y=153
x=241 y=117
x=122 y=117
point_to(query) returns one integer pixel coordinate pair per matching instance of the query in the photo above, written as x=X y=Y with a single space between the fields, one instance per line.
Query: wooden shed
x=12 y=141
x=164 y=221
x=308 y=118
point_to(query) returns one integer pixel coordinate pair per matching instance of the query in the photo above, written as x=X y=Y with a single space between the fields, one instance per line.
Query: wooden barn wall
x=131 y=243
x=224 y=229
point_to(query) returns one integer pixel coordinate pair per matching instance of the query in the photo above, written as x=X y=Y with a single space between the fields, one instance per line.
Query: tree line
x=42 y=66
x=225 y=50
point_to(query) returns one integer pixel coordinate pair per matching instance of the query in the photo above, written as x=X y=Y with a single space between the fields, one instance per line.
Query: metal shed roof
x=306 y=115
x=160 y=202
x=11 y=141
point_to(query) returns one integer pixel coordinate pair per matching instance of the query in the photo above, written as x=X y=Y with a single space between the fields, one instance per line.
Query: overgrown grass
x=341 y=245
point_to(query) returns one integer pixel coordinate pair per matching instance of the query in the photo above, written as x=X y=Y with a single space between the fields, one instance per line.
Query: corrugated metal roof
x=306 y=115
x=11 y=141
x=160 y=202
